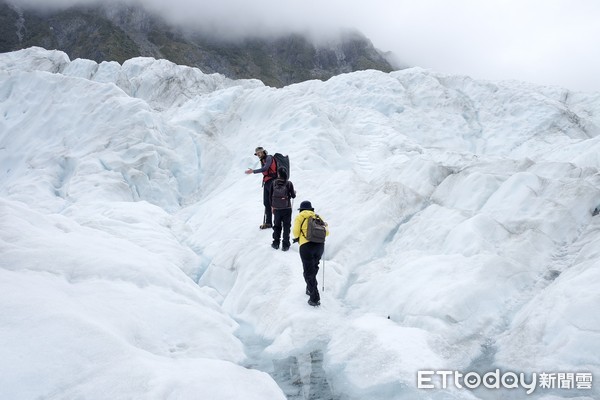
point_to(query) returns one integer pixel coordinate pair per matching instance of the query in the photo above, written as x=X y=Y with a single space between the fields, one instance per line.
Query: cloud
x=545 y=42
x=551 y=42
x=229 y=17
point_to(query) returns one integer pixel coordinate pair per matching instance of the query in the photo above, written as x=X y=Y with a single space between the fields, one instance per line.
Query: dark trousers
x=283 y=222
x=267 y=187
x=311 y=254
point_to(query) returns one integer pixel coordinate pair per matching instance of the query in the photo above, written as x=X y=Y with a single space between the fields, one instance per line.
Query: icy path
x=462 y=234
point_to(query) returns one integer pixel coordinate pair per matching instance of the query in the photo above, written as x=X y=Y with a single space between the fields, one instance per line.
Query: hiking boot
x=314 y=303
x=285 y=248
x=275 y=245
x=266 y=226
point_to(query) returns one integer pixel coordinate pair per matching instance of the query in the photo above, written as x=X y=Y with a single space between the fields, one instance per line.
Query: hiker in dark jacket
x=269 y=171
x=282 y=194
x=310 y=252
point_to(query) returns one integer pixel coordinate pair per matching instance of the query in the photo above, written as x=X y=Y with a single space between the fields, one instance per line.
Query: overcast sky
x=551 y=42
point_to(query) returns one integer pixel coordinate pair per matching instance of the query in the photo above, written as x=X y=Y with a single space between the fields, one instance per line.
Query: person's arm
x=296 y=228
x=292 y=192
x=265 y=166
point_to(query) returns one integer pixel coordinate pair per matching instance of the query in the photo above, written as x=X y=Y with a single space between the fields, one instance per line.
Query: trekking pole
x=323 y=270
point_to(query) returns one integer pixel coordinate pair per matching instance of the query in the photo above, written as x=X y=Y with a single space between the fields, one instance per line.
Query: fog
x=545 y=42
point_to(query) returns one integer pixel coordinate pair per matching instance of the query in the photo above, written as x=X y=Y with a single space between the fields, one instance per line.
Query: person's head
x=260 y=152
x=306 y=205
x=282 y=173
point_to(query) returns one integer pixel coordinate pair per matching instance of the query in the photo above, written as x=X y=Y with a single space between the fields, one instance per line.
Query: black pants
x=283 y=222
x=311 y=254
x=267 y=187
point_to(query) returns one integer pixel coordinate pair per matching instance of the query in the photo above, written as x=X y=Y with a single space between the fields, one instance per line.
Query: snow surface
x=462 y=235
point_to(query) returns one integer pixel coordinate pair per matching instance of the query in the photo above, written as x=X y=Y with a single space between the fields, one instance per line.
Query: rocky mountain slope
x=121 y=33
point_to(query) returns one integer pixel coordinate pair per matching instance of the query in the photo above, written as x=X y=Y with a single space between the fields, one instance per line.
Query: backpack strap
x=302 y=223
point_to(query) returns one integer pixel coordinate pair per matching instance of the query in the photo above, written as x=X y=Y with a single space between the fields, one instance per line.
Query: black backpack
x=280 y=194
x=316 y=229
x=282 y=161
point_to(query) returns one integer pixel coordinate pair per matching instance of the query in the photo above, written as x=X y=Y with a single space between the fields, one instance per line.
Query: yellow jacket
x=300 y=227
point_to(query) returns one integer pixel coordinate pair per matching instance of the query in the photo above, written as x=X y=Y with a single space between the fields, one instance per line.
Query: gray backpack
x=280 y=195
x=316 y=229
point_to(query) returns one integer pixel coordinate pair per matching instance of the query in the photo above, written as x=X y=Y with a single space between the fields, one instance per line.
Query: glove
x=295 y=240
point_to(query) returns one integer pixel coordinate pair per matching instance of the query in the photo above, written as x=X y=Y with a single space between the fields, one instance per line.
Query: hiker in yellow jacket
x=310 y=251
